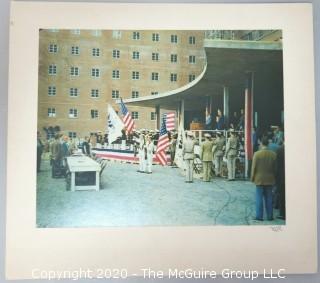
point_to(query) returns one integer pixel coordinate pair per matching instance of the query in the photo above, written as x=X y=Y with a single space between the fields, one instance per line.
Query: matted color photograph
x=160 y=128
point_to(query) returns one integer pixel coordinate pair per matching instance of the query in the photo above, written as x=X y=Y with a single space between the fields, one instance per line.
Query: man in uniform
x=188 y=156
x=172 y=147
x=206 y=157
x=40 y=147
x=231 y=154
x=149 y=154
x=263 y=174
x=217 y=151
x=141 y=153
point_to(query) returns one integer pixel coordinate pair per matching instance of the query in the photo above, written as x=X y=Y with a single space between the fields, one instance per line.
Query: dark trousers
x=56 y=168
x=38 y=161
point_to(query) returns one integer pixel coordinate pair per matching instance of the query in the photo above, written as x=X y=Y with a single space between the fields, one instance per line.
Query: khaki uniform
x=231 y=153
x=218 y=146
x=206 y=158
x=188 y=156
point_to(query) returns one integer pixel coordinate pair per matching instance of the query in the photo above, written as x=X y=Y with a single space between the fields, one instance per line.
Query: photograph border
x=293 y=247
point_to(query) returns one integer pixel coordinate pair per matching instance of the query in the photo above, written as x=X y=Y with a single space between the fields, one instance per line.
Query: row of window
x=95 y=72
x=136 y=35
x=94 y=114
x=95 y=52
x=95 y=93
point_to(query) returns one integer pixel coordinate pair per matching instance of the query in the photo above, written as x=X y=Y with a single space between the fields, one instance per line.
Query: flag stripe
x=127 y=119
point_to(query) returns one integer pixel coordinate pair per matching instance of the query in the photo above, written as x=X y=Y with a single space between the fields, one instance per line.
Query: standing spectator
x=220 y=120
x=263 y=174
x=208 y=125
x=56 y=157
x=231 y=154
x=188 y=156
x=217 y=152
x=280 y=181
x=234 y=120
x=149 y=151
x=206 y=157
x=278 y=136
x=40 y=147
x=86 y=146
x=240 y=125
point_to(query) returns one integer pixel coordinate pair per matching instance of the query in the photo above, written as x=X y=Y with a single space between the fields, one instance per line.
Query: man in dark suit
x=263 y=174
x=39 y=151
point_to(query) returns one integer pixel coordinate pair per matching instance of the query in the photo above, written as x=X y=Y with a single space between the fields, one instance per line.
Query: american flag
x=163 y=143
x=126 y=117
x=170 y=120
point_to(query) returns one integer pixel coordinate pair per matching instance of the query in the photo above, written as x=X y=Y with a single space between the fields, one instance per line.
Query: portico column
x=226 y=105
x=158 y=116
x=181 y=122
x=248 y=122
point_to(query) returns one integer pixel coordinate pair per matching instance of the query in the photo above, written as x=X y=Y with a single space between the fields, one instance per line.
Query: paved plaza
x=129 y=198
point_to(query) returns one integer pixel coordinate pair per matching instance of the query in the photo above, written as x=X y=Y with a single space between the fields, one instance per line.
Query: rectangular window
x=155 y=37
x=192 y=77
x=174 y=58
x=75 y=50
x=51 y=112
x=136 y=35
x=192 y=59
x=192 y=40
x=95 y=52
x=135 y=94
x=154 y=93
x=135 y=115
x=75 y=31
x=116 y=53
x=116 y=34
x=173 y=77
x=94 y=113
x=94 y=93
x=115 y=94
x=73 y=113
x=174 y=38
x=51 y=90
x=96 y=32
x=155 y=76
x=74 y=71
x=136 y=55
x=153 y=116
x=52 y=69
x=53 y=48
x=95 y=72
x=73 y=92
x=115 y=74
x=135 y=75
x=155 y=56
x=72 y=135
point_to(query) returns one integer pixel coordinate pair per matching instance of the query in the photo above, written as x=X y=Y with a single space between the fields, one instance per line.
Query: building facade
x=81 y=71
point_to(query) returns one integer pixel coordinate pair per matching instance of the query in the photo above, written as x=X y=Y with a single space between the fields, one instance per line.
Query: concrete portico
x=226 y=73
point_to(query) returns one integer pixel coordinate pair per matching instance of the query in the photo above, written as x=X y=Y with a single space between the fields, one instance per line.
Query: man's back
x=263 y=170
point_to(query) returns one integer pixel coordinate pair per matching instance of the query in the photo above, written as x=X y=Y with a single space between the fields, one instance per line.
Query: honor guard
x=149 y=151
x=188 y=156
x=206 y=157
x=217 y=151
x=231 y=154
x=141 y=153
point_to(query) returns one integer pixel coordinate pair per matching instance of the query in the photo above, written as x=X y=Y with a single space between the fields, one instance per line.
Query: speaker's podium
x=196 y=126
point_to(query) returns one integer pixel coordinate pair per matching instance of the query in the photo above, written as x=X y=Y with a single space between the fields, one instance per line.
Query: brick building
x=81 y=71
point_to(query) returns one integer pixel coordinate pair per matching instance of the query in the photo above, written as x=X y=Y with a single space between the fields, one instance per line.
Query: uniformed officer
x=217 y=151
x=188 y=156
x=231 y=154
x=141 y=153
x=206 y=157
x=149 y=150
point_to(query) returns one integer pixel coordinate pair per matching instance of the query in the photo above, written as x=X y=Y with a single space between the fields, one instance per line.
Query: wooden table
x=82 y=165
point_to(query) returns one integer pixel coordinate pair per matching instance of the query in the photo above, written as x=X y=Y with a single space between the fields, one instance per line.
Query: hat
x=189 y=133
x=207 y=135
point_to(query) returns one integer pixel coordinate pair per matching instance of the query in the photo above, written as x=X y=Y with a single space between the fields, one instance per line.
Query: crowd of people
x=218 y=148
